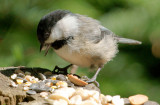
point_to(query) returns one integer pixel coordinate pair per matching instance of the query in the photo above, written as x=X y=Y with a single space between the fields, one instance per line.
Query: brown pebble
x=138 y=99
x=18 y=71
x=47 y=73
x=76 y=80
x=27 y=73
x=150 y=103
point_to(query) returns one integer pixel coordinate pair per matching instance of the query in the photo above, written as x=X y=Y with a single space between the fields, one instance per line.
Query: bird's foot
x=58 y=70
x=92 y=80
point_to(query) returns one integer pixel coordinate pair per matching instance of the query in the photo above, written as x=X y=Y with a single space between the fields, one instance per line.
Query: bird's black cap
x=47 y=22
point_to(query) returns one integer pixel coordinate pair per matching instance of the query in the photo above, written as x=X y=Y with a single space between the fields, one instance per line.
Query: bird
x=79 y=39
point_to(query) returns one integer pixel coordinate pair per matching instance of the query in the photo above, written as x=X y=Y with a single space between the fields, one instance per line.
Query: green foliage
x=135 y=70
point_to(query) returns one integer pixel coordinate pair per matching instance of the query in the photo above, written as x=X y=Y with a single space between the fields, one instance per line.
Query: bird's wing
x=105 y=31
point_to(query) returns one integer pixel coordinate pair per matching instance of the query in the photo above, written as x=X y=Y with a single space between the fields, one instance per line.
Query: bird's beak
x=45 y=47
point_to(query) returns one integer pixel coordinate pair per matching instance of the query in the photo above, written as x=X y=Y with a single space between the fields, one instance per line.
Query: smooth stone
x=21 y=75
x=126 y=101
x=42 y=76
x=61 y=77
x=31 y=92
x=150 y=103
x=40 y=87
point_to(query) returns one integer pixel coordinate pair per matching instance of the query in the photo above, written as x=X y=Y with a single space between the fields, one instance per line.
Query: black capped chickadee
x=79 y=39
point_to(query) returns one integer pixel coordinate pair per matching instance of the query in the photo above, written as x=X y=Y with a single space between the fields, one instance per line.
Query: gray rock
x=150 y=103
x=39 y=87
x=31 y=92
x=126 y=101
x=61 y=77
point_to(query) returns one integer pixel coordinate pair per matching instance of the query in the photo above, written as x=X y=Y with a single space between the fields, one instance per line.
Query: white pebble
x=89 y=102
x=13 y=84
x=103 y=99
x=59 y=102
x=83 y=93
x=28 y=84
x=25 y=88
x=96 y=96
x=109 y=98
x=14 y=76
x=117 y=100
x=43 y=94
x=62 y=93
x=77 y=99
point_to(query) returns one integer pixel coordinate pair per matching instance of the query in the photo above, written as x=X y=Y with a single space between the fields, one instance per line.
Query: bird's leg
x=93 y=79
x=58 y=70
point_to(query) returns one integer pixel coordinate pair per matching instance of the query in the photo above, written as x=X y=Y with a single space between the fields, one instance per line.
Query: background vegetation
x=135 y=70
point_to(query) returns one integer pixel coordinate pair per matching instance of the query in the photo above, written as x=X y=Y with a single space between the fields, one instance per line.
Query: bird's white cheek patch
x=65 y=27
x=69 y=25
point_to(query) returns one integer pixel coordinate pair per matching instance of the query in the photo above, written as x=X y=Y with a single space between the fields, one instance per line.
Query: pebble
x=59 y=102
x=150 y=103
x=13 y=84
x=53 y=78
x=19 y=81
x=36 y=79
x=54 y=87
x=27 y=73
x=138 y=99
x=116 y=100
x=42 y=76
x=28 y=77
x=13 y=76
x=103 y=99
x=27 y=84
x=75 y=100
x=21 y=75
x=61 y=84
x=109 y=98
x=33 y=81
x=49 y=84
x=25 y=88
x=88 y=102
x=18 y=71
x=57 y=96
x=62 y=93
x=70 y=84
x=126 y=101
x=49 y=80
x=31 y=92
x=47 y=73
x=43 y=94
x=61 y=77
x=40 y=87
x=83 y=93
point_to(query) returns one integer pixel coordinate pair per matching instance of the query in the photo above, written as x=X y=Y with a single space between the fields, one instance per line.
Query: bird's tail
x=128 y=41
